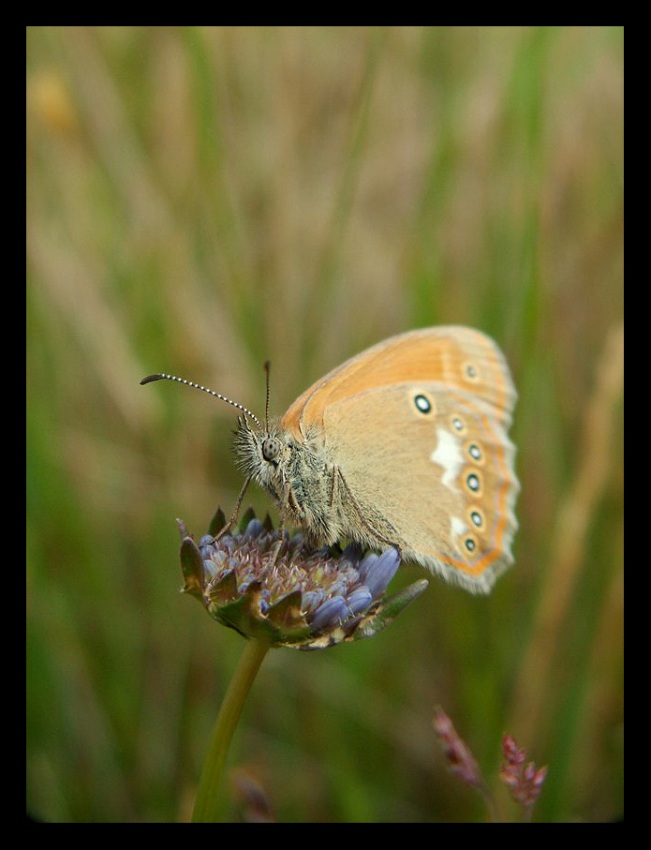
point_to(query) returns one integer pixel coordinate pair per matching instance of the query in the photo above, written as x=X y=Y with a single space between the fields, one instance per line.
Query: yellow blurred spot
x=48 y=96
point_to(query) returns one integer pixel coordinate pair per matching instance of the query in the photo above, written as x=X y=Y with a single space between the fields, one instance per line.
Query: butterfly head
x=262 y=453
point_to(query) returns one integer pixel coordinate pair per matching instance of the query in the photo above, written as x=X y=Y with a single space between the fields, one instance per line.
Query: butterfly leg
x=373 y=532
x=236 y=512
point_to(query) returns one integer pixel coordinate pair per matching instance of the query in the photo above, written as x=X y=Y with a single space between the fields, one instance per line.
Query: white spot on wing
x=449 y=456
x=457 y=526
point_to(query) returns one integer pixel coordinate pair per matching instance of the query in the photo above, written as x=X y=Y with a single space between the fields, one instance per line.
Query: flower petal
x=331 y=613
x=376 y=571
x=359 y=600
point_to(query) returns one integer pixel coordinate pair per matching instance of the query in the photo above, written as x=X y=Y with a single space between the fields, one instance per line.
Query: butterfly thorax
x=295 y=473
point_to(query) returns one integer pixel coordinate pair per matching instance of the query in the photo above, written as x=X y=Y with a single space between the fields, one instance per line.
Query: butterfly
x=406 y=445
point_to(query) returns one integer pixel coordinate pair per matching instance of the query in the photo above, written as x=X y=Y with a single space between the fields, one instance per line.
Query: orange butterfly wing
x=457 y=356
x=466 y=537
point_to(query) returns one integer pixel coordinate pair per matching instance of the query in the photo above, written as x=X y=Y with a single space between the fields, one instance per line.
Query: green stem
x=206 y=805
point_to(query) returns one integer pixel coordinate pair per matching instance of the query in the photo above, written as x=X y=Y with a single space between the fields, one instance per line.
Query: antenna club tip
x=151 y=378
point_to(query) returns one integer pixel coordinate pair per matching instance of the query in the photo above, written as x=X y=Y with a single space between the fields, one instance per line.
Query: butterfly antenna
x=267 y=369
x=163 y=377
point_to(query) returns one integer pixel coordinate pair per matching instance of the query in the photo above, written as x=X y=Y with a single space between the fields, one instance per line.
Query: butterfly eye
x=270 y=448
x=477 y=518
x=472 y=373
x=474 y=451
x=423 y=404
x=458 y=424
x=473 y=482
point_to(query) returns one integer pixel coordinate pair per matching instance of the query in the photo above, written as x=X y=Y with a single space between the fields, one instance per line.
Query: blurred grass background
x=200 y=200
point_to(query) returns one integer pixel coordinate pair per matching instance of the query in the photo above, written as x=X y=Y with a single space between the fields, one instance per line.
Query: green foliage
x=202 y=200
